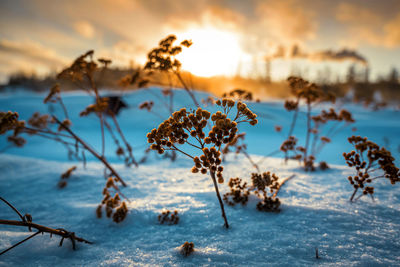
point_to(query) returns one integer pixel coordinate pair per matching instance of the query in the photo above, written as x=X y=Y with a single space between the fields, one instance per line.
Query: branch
x=88 y=148
x=26 y=221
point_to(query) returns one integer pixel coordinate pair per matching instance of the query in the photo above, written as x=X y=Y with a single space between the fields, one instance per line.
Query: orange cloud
x=365 y=25
x=287 y=21
x=28 y=57
x=84 y=28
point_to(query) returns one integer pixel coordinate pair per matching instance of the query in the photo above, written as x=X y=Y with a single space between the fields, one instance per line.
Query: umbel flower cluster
x=189 y=128
x=264 y=186
x=366 y=159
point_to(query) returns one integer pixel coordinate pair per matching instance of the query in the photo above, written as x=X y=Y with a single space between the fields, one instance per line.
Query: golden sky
x=229 y=37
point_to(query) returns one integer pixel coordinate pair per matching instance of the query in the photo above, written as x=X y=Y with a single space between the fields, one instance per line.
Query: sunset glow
x=214 y=52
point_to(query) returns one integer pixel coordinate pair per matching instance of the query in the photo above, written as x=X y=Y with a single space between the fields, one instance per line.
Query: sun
x=214 y=52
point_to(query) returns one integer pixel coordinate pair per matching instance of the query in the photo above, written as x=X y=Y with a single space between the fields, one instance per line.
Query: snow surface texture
x=315 y=212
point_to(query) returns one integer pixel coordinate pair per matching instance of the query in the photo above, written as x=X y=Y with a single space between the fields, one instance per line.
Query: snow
x=315 y=212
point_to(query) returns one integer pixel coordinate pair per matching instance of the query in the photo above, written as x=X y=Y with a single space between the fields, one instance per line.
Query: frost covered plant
x=311 y=95
x=168 y=217
x=366 y=159
x=187 y=248
x=264 y=186
x=187 y=128
x=113 y=206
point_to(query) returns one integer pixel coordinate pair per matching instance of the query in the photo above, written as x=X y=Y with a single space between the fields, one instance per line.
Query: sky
x=229 y=37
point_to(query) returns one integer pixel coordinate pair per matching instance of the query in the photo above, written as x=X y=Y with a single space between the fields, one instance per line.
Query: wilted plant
x=187 y=248
x=81 y=72
x=65 y=176
x=264 y=186
x=239 y=94
x=366 y=159
x=26 y=221
x=50 y=127
x=113 y=206
x=238 y=144
x=168 y=217
x=163 y=59
x=185 y=127
x=40 y=125
x=311 y=95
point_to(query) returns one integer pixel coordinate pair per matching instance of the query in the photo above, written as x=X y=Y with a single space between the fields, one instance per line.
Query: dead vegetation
x=27 y=221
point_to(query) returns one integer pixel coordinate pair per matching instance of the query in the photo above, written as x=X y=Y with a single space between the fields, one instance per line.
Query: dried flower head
x=168 y=217
x=367 y=158
x=8 y=121
x=187 y=248
x=264 y=186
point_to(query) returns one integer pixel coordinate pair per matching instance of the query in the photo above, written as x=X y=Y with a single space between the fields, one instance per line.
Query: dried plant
x=366 y=159
x=187 y=248
x=185 y=127
x=26 y=221
x=168 y=217
x=311 y=95
x=40 y=125
x=113 y=206
x=163 y=59
x=50 y=127
x=81 y=72
x=238 y=146
x=264 y=186
x=65 y=176
x=239 y=94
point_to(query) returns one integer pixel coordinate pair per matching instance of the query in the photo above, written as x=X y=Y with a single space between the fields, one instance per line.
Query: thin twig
x=187 y=89
x=20 y=242
x=91 y=150
x=282 y=183
x=11 y=206
x=41 y=229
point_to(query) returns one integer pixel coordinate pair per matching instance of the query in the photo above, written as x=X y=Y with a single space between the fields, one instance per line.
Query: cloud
x=31 y=51
x=84 y=28
x=28 y=57
x=287 y=20
x=392 y=32
x=368 y=26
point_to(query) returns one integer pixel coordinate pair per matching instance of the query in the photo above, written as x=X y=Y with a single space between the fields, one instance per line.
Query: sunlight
x=214 y=52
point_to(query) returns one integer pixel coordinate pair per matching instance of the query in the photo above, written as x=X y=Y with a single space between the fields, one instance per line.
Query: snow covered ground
x=315 y=212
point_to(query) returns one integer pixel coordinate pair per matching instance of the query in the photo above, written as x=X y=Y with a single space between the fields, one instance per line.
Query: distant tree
x=351 y=74
x=393 y=76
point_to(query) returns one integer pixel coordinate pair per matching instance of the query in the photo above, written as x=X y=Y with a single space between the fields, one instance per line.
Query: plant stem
x=354 y=193
x=212 y=174
x=308 y=132
x=127 y=145
x=20 y=242
x=94 y=153
x=187 y=89
x=44 y=229
x=282 y=183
